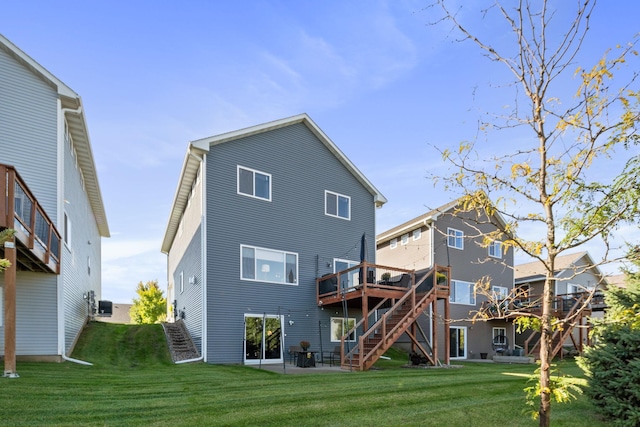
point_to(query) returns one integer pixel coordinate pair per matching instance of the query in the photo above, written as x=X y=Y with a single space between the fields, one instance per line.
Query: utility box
x=105 y=308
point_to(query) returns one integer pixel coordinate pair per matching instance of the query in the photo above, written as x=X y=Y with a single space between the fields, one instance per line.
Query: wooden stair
x=380 y=336
x=563 y=332
x=181 y=345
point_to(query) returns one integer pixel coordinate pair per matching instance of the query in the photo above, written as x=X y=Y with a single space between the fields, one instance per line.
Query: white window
x=462 y=293
x=499 y=292
x=268 y=265
x=89 y=266
x=340 y=326
x=458 y=342
x=404 y=239
x=337 y=205
x=417 y=233
x=393 y=244
x=499 y=336
x=254 y=183
x=67 y=231
x=181 y=282
x=495 y=249
x=348 y=281
x=455 y=238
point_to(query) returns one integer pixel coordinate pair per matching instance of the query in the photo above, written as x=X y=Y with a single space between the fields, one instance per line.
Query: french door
x=458 y=342
x=262 y=338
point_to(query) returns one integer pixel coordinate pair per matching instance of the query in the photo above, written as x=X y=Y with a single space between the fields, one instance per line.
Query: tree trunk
x=545 y=354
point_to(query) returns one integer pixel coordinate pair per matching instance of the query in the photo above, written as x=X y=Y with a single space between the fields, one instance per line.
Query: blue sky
x=383 y=85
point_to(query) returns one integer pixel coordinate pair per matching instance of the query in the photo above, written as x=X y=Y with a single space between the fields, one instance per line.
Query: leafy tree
x=543 y=179
x=151 y=306
x=612 y=365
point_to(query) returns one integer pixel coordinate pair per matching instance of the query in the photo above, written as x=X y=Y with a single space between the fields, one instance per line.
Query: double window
x=462 y=293
x=495 y=249
x=499 y=292
x=337 y=205
x=254 y=183
x=455 y=238
x=268 y=265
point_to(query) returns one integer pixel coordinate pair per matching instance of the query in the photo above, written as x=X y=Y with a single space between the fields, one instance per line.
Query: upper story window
x=254 y=183
x=268 y=265
x=67 y=231
x=404 y=239
x=337 y=205
x=495 y=249
x=393 y=243
x=462 y=293
x=417 y=233
x=454 y=238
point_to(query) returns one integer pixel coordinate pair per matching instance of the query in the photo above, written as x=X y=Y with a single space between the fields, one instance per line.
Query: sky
x=382 y=82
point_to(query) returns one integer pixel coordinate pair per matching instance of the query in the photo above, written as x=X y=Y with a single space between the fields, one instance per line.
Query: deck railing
x=21 y=211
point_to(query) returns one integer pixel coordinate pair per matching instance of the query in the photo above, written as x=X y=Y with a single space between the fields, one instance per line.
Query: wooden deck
x=37 y=241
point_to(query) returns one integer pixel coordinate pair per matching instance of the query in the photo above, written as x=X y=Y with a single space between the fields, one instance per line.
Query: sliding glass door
x=262 y=338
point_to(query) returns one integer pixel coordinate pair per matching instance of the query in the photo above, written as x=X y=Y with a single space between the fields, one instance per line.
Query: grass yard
x=134 y=383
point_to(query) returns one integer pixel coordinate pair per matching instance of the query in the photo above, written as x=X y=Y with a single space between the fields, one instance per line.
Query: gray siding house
x=259 y=214
x=57 y=209
x=449 y=237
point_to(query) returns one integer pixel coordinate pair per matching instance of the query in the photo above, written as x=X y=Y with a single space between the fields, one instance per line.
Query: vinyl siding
x=28 y=128
x=190 y=300
x=302 y=168
x=85 y=244
x=36 y=315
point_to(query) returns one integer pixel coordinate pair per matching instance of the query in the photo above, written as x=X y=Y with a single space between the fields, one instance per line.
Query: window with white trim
x=462 y=293
x=499 y=292
x=404 y=239
x=455 y=238
x=495 y=249
x=393 y=244
x=499 y=336
x=337 y=205
x=268 y=265
x=417 y=233
x=254 y=183
x=181 y=281
x=340 y=326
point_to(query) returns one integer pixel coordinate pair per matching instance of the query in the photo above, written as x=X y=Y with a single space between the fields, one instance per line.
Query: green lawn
x=139 y=387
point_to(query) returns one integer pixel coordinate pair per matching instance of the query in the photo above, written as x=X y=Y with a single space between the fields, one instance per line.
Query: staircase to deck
x=181 y=345
x=380 y=336
x=563 y=331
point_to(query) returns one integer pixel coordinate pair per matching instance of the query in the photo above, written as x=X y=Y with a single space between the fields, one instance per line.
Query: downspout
x=197 y=359
x=62 y=325
x=205 y=283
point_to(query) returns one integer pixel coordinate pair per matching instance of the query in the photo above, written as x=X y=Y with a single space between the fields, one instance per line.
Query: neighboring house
x=448 y=237
x=575 y=276
x=54 y=204
x=258 y=215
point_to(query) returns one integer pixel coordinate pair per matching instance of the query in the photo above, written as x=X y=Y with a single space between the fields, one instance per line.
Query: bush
x=612 y=365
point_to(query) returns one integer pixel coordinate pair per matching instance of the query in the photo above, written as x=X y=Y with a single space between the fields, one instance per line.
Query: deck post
x=447 y=336
x=10 y=311
x=434 y=329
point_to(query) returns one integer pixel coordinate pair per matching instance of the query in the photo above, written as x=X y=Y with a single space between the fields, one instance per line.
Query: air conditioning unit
x=105 y=308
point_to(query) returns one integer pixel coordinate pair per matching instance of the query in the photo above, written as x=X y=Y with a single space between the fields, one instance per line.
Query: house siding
x=36 y=315
x=190 y=300
x=85 y=244
x=302 y=168
x=28 y=125
x=28 y=138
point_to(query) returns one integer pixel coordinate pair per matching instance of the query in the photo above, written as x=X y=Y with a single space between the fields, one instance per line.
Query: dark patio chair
x=294 y=350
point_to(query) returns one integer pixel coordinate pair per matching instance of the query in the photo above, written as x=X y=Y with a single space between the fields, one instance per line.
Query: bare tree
x=547 y=182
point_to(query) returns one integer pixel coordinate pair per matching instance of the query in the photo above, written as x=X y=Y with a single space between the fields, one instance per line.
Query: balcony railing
x=377 y=281
x=37 y=237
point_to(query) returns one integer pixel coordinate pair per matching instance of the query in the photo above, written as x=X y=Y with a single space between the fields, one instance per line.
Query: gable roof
x=199 y=147
x=536 y=271
x=72 y=109
x=421 y=220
